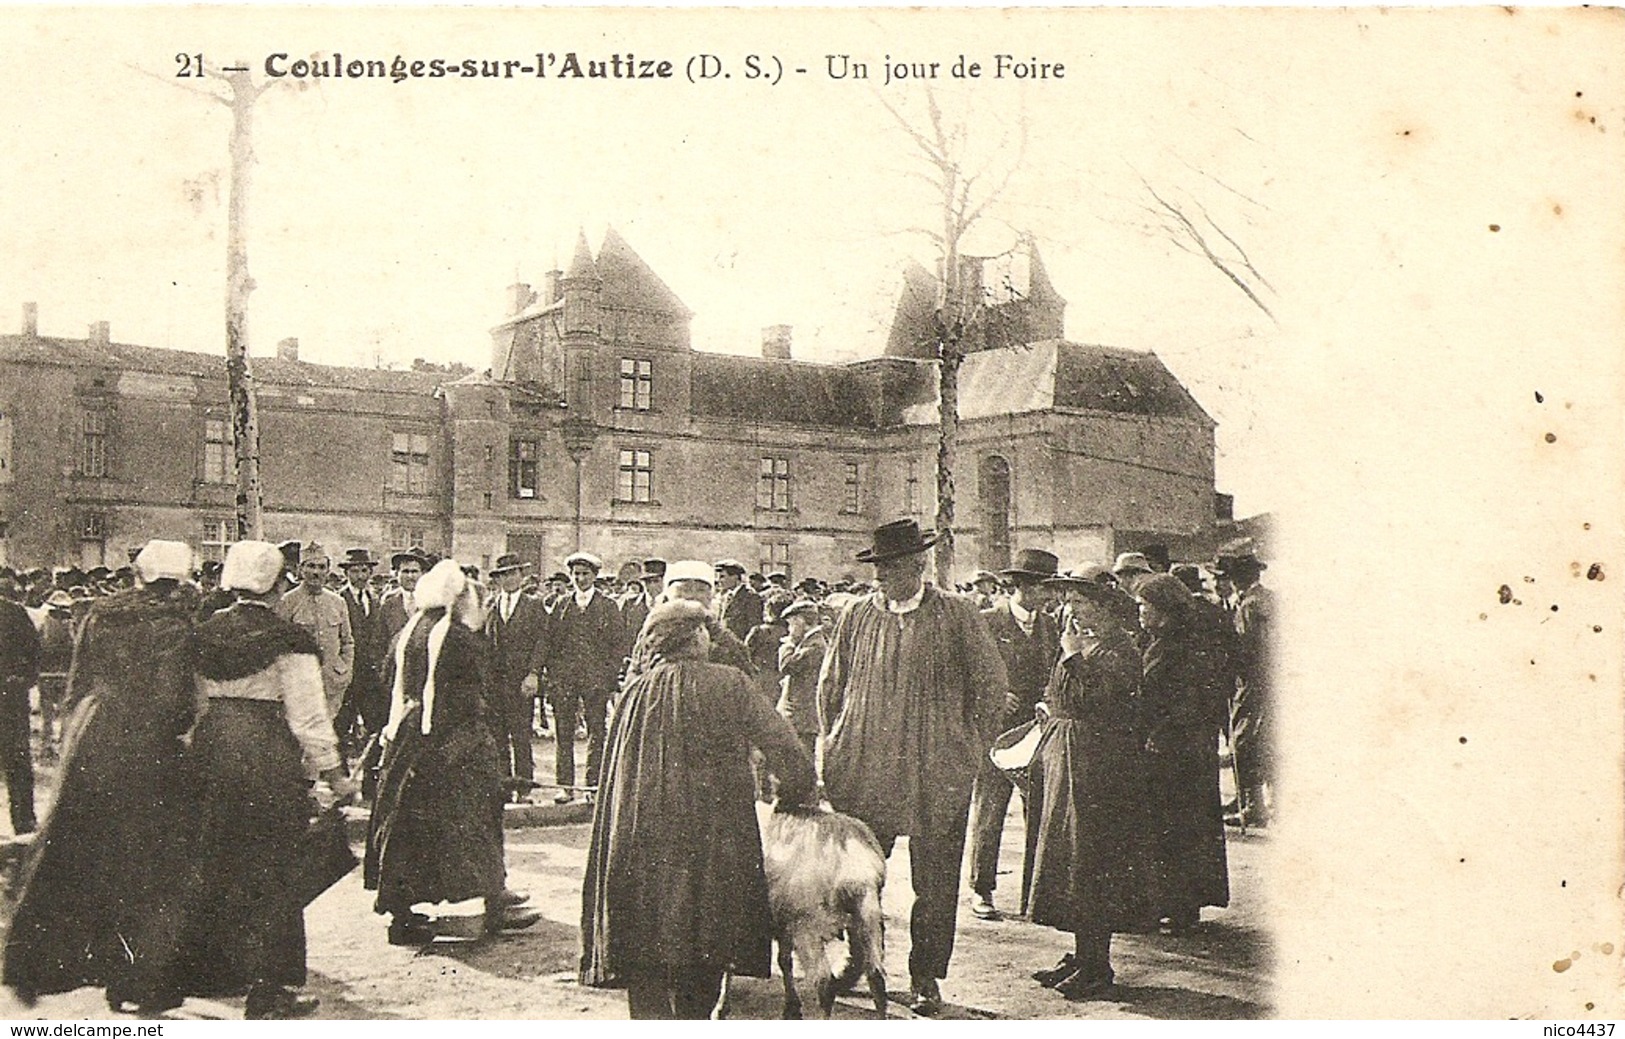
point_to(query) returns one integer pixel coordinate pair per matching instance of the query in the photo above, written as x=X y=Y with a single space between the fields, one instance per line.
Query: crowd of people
x=206 y=716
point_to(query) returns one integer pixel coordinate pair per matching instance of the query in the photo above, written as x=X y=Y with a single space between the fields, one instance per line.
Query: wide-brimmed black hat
x=507 y=563
x=897 y=539
x=1093 y=580
x=411 y=555
x=357 y=557
x=1033 y=563
x=1228 y=566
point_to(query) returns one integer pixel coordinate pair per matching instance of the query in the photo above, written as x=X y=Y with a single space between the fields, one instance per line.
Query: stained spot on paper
x=1554 y=607
x=1505 y=594
x=1595 y=573
x=1585 y=526
x=1495 y=227
x=1538 y=398
x=1557 y=209
x=1597 y=628
x=1551 y=438
x=1607 y=949
x=1528 y=580
x=1483 y=616
x=1464 y=739
x=1562 y=965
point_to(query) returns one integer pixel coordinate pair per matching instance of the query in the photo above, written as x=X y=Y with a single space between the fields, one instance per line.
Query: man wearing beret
x=909 y=699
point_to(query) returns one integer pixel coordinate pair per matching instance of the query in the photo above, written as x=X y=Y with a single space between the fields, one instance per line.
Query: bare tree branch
x=1195 y=236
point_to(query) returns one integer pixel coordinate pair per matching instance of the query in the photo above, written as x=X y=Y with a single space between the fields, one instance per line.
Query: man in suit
x=366 y=700
x=322 y=613
x=1029 y=642
x=640 y=597
x=738 y=605
x=398 y=603
x=584 y=651
x=516 y=627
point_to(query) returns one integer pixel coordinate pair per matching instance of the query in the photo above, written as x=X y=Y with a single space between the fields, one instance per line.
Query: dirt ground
x=1221 y=970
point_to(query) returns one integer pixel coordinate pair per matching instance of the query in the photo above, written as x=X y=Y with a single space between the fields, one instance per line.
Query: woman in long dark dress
x=674 y=893
x=1089 y=868
x=263 y=734
x=98 y=888
x=436 y=829
x=1184 y=704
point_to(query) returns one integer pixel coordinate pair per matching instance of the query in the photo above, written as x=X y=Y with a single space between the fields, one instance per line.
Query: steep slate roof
x=751 y=389
x=271 y=370
x=628 y=280
x=1054 y=373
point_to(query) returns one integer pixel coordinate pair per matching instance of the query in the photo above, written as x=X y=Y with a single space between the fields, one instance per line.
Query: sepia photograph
x=992 y=514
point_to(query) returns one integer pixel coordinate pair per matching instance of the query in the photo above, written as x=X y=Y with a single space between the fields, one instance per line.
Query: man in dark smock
x=436 y=830
x=910 y=697
x=97 y=903
x=674 y=892
x=1183 y=702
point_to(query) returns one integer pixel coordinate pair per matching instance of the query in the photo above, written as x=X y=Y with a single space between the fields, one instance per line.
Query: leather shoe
x=926 y=997
x=1058 y=973
x=510 y=897
x=278 y=1005
x=1082 y=988
x=563 y=797
x=983 y=908
x=411 y=929
x=512 y=918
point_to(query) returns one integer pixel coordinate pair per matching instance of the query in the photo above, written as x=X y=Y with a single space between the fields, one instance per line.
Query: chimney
x=551 y=292
x=101 y=334
x=776 y=342
x=31 y=320
x=288 y=349
x=520 y=296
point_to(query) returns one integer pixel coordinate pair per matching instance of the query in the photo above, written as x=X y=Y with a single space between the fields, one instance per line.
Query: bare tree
x=239 y=93
x=963 y=190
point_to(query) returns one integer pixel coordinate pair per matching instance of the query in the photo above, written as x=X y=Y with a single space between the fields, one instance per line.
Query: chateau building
x=599 y=426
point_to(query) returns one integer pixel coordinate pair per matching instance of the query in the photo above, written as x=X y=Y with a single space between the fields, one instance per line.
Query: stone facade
x=599 y=427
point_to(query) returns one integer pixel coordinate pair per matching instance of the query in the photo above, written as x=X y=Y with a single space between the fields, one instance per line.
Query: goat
x=825 y=872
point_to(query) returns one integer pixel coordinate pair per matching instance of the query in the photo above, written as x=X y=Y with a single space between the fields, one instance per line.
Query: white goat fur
x=825 y=872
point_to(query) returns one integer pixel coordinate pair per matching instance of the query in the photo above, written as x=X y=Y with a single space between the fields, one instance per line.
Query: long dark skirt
x=245 y=923
x=99 y=890
x=436 y=833
x=1187 y=824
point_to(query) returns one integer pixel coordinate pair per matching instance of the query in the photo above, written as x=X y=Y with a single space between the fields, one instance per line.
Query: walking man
x=19 y=670
x=738 y=604
x=909 y=700
x=1029 y=642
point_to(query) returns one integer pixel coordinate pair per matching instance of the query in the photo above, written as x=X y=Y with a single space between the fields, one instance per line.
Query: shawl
x=244 y=640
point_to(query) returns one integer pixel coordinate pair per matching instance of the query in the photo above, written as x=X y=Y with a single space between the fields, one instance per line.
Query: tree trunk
x=239 y=374
x=947 y=435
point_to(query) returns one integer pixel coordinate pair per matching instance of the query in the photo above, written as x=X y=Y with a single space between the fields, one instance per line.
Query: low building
x=599 y=426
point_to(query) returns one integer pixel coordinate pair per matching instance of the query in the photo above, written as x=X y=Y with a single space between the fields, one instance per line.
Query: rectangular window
x=216 y=537
x=637 y=384
x=219 y=461
x=635 y=478
x=409 y=471
x=777 y=559
x=92 y=526
x=911 y=503
x=402 y=537
x=488 y=500
x=773 y=487
x=93 y=443
x=522 y=455
x=851 y=493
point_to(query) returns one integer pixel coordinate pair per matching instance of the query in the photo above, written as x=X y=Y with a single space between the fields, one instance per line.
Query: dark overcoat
x=1184 y=701
x=674 y=872
x=1089 y=858
x=99 y=887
